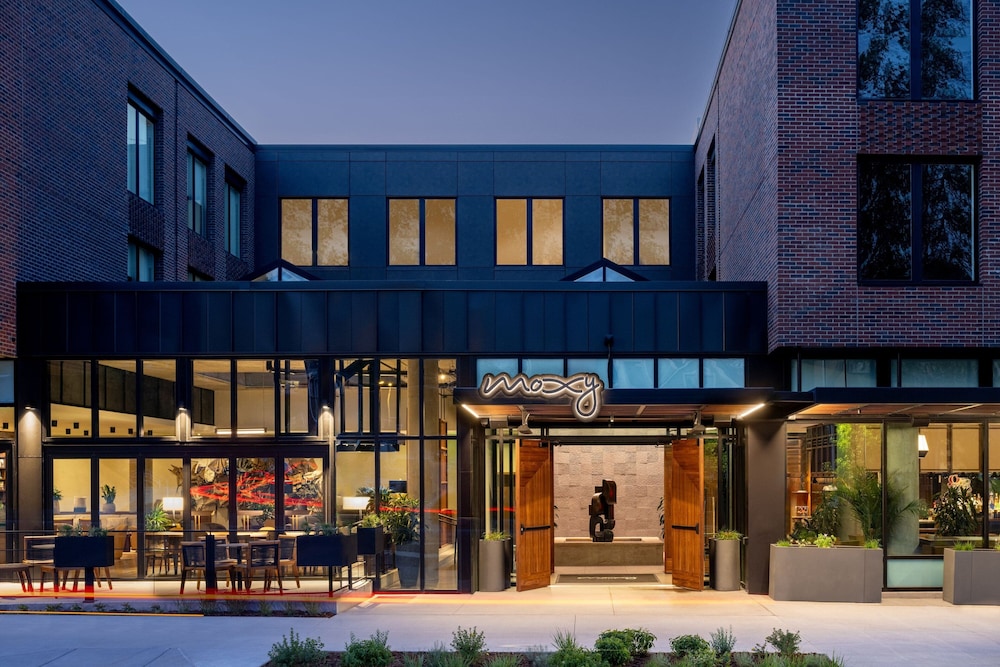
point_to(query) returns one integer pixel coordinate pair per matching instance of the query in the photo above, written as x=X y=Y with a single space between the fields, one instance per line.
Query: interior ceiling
x=555 y=413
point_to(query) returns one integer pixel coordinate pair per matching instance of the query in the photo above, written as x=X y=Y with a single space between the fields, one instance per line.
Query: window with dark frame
x=636 y=231
x=421 y=232
x=197 y=193
x=234 y=196
x=529 y=232
x=141 y=263
x=915 y=49
x=916 y=222
x=141 y=152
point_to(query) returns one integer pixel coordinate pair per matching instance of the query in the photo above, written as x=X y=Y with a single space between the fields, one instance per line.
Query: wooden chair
x=263 y=556
x=23 y=572
x=193 y=559
x=60 y=577
x=289 y=557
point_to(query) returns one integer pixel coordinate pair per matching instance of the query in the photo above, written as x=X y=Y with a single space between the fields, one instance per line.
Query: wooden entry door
x=687 y=508
x=534 y=514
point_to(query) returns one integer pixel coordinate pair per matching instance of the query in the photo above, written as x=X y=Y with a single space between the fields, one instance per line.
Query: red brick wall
x=65 y=214
x=788 y=184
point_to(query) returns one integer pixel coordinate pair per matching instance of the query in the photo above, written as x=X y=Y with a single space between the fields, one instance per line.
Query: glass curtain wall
x=396 y=456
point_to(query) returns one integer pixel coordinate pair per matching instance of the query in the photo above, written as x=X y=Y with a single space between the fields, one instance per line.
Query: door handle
x=696 y=528
x=525 y=529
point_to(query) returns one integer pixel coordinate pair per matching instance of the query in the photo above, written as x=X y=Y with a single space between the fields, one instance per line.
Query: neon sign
x=586 y=390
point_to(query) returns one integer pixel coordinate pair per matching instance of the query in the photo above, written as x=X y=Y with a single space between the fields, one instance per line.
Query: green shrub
x=636 y=641
x=824 y=541
x=783 y=543
x=439 y=656
x=564 y=639
x=371 y=652
x=293 y=652
x=612 y=649
x=574 y=656
x=470 y=644
x=685 y=644
x=505 y=660
x=872 y=544
x=784 y=642
x=704 y=658
x=965 y=545
x=723 y=641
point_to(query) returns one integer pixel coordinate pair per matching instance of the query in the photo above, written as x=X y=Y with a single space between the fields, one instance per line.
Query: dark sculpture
x=602 y=511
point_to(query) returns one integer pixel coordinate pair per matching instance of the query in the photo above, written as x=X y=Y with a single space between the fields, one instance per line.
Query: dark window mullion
x=916 y=66
x=315 y=232
x=422 y=233
x=916 y=222
x=635 y=231
x=529 y=259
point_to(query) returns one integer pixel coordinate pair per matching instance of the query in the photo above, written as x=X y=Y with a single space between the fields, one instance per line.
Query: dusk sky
x=449 y=71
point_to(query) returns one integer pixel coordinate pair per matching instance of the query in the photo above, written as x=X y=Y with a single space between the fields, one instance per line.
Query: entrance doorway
x=662 y=483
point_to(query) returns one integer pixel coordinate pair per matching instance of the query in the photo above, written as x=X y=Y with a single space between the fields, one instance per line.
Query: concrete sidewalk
x=913 y=629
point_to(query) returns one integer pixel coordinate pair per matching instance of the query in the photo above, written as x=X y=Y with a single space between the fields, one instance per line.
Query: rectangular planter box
x=971 y=577
x=84 y=551
x=371 y=541
x=326 y=550
x=838 y=574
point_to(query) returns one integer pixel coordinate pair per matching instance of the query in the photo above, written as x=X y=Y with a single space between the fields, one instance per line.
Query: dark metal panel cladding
x=510 y=317
x=338 y=322
x=388 y=322
x=576 y=322
x=363 y=320
x=554 y=322
x=194 y=312
x=245 y=322
x=82 y=325
x=313 y=321
x=713 y=320
x=171 y=323
x=122 y=307
x=220 y=322
x=598 y=321
x=433 y=322
x=622 y=321
x=690 y=325
x=409 y=317
x=456 y=322
x=667 y=323
x=534 y=322
x=482 y=323
x=643 y=322
x=149 y=324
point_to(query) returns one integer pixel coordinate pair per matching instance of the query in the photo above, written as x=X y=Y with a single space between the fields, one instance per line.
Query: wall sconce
x=173 y=504
x=922 y=447
x=326 y=429
x=182 y=425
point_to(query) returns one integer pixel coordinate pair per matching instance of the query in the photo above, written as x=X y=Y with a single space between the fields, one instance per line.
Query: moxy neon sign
x=586 y=390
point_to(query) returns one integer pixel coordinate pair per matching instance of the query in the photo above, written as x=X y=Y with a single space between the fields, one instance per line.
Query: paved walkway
x=912 y=629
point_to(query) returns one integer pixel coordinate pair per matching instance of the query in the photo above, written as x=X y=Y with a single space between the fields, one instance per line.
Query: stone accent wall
x=638 y=471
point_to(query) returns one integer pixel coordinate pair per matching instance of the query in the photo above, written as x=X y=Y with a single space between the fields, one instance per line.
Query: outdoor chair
x=263 y=557
x=289 y=557
x=193 y=559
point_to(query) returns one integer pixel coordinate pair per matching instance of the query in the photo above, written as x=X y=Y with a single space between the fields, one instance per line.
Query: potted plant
x=971 y=575
x=822 y=571
x=157 y=519
x=724 y=560
x=56 y=497
x=326 y=547
x=401 y=518
x=74 y=548
x=109 y=493
x=494 y=566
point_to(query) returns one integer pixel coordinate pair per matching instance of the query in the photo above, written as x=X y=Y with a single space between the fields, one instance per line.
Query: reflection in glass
x=884 y=48
x=439 y=222
x=117 y=413
x=678 y=373
x=633 y=373
x=211 y=397
x=724 y=373
x=255 y=381
x=884 y=240
x=299 y=395
x=71 y=501
x=948 y=225
x=159 y=401
x=119 y=506
x=946 y=49
x=70 y=400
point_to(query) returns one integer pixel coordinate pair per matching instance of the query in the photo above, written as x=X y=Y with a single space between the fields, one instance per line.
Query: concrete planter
x=724 y=561
x=493 y=572
x=971 y=577
x=837 y=574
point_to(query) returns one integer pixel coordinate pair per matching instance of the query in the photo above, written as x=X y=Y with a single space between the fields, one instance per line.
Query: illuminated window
x=421 y=232
x=637 y=228
x=314 y=232
x=529 y=231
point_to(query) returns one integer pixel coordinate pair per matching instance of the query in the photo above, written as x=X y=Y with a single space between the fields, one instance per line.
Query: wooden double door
x=684 y=514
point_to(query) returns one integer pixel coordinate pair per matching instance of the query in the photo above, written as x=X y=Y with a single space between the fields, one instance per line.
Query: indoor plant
x=108 y=493
x=724 y=560
x=494 y=571
x=402 y=522
x=56 y=497
x=371 y=534
x=157 y=519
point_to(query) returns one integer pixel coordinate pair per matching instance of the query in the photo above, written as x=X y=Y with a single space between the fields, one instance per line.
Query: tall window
x=421 y=231
x=529 y=231
x=926 y=58
x=314 y=232
x=140 y=152
x=915 y=222
x=197 y=193
x=637 y=228
x=233 y=199
x=141 y=263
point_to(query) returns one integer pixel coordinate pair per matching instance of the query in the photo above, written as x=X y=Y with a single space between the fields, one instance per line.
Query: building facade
x=262 y=337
